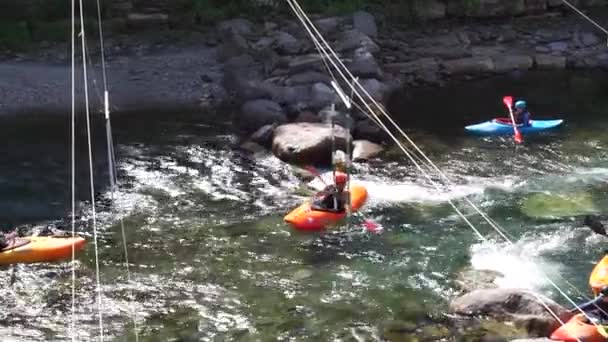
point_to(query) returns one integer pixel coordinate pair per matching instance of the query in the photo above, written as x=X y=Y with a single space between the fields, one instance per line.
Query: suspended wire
x=293 y=4
x=73 y=170
x=112 y=170
x=92 y=185
x=585 y=16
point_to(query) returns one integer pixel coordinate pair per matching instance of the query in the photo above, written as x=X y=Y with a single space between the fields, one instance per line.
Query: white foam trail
x=402 y=192
x=521 y=264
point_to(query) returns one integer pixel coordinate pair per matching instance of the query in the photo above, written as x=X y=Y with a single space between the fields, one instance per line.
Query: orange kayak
x=307 y=219
x=578 y=328
x=599 y=276
x=32 y=249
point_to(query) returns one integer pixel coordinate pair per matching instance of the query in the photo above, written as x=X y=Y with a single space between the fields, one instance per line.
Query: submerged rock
x=472 y=279
x=525 y=308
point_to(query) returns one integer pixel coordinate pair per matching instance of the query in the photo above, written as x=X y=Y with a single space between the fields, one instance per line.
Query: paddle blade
x=372 y=226
x=312 y=170
x=518 y=137
x=508 y=101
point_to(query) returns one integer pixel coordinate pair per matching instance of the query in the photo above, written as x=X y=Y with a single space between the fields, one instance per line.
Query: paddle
x=508 y=101
x=367 y=223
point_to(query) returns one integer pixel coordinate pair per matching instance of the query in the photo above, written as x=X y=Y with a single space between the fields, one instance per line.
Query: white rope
x=92 y=185
x=112 y=166
x=73 y=38
x=405 y=151
x=586 y=17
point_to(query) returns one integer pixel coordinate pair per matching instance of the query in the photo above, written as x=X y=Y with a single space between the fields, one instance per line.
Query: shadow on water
x=35 y=173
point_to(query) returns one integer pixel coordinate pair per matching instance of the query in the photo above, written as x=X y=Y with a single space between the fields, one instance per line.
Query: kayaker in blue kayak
x=522 y=115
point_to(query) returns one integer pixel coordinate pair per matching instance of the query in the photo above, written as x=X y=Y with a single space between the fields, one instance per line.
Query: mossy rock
x=547 y=206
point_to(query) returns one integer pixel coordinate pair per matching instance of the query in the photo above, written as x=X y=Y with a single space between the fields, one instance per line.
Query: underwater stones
x=550 y=206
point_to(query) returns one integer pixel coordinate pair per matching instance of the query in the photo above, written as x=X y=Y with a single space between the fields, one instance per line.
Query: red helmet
x=341 y=177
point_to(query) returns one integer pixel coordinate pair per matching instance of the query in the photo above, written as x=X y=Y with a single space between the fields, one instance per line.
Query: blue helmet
x=520 y=104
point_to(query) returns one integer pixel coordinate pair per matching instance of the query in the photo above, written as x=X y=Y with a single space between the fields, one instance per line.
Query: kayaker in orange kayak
x=333 y=197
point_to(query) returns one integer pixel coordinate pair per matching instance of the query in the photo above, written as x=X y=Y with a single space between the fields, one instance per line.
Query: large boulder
x=238 y=26
x=354 y=39
x=506 y=63
x=308 y=77
x=364 y=65
x=321 y=96
x=364 y=150
x=307 y=143
x=287 y=44
x=523 y=307
x=473 y=65
x=376 y=89
x=258 y=113
x=365 y=23
x=543 y=61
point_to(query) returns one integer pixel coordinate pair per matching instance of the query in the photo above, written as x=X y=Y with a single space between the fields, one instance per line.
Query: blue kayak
x=503 y=126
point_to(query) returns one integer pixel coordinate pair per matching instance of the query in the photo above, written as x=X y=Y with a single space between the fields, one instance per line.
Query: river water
x=211 y=259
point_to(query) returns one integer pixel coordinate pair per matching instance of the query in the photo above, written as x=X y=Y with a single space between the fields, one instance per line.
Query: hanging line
x=293 y=5
x=112 y=169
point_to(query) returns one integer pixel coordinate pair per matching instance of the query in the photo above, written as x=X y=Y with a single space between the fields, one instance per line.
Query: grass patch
x=14 y=35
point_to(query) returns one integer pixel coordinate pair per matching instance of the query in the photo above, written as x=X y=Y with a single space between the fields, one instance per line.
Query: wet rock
x=550 y=62
x=308 y=77
x=258 y=113
x=263 y=43
x=144 y=20
x=444 y=52
x=367 y=130
x=287 y=44
x=484 y=51
x=307 y=143
x=364 y=65
x=416 y=66
x=512 y=62
x=471 y=65
x=429 y=9
x=233 y=45
x=328 y=25
x=354 y=39
x=307 y=116
x=321 y=96
x=558 y=46
x=472 y=279
x=252 y=147
x=364 y=150
x=237 y=26
x=503 y=303
x=296 y=96
x=263 y=136
x=365 y=23
x=376 y=89
x=535 y=6
x=327 y=115
x=524 y=307
x=589 y=38
x=303 y=63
